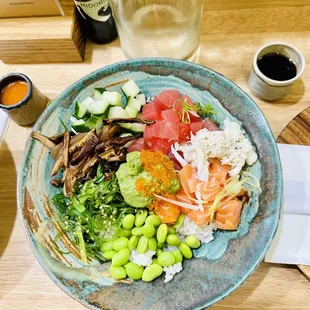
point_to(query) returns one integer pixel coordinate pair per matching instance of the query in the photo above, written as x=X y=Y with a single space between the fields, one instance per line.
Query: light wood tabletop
x=232 y=32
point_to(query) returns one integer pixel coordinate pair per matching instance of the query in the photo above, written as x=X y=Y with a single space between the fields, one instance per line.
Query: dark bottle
x=95 y=17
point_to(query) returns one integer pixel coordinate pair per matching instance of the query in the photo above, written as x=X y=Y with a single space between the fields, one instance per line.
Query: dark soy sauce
x=277 y=67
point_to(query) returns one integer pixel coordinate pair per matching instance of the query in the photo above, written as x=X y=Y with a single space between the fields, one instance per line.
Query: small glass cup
x=28 y=110
x=158 y=28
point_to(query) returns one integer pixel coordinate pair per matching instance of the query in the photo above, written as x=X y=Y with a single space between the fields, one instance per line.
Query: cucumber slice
x=130 y=89
x=134 y=127
x=98 y=107
x=87 y=101
x=80 y=126
x=80 y=110
x=73 y=119
x=141 y=98
x=113 y=97
x=117 y=112
x=97 y=95
x=131 y=112
x=95 y=121
x=133 y=103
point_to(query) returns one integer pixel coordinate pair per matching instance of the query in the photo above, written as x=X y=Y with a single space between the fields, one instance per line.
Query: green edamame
x=166 y=259
x=161 y=245
x=137 y=231
x=158 y=252
x=148 y=230
x=120 y=243
x=179 y=221
x=118 y=272
x=128 y=221
x=107 y=246
x=173 y=240
x=155 y=261
x=171 y=230
x=162 y=232
x=142 y=244
x=153 y=244
x=153 y=219
x=140 y=218
x=123 y=232
x=134 y=271
x=121 y=257
x=132 y=243
x=192 y=241
x=185 y=250
x=178 y=256
x=151 y=272
x=109 y=254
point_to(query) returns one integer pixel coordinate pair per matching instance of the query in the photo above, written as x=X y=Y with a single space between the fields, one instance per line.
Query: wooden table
x=232 y=32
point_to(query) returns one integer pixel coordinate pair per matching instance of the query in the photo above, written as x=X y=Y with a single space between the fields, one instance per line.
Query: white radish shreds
x=142 y=259
x=230 y=146
x=171 y=271
x=204 y=234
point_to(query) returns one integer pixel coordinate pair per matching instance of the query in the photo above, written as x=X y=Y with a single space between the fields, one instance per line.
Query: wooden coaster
x=298 y=132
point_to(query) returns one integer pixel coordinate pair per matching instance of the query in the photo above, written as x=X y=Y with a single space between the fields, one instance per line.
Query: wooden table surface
x=232 y=32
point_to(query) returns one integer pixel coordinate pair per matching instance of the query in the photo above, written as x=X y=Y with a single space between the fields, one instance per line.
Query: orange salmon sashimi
x=167 y=212
x=183 y=197
x=188 y=179
x=219 y=171
x=210 y=189
x=201 y=218
x=228 y=216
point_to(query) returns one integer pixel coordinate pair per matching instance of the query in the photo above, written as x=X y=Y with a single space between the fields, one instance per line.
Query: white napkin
x=291 y=244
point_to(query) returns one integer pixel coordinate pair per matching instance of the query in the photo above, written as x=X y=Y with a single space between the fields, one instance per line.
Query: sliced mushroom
x=65 y=153
x=57 y=182
x=85 y=150
x=82 y=142
x=129 y=120
x=44 y=140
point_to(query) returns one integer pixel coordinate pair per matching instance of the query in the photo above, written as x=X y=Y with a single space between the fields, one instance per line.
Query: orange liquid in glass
x=13 y=93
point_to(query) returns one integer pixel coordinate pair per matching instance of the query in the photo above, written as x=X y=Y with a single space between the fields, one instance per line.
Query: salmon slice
x=167 y=212
x=188 y=179
x=210 y=189
x=181 y=196
x=201 y=218
x=228 y=216
x=219 y=171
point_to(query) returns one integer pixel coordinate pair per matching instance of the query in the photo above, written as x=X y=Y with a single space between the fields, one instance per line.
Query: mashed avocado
x=128 y=174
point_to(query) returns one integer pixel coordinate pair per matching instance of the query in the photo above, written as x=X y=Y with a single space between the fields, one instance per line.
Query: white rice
x=171 y=271
x=142 y=259
x=204 y=234
x=170 y=248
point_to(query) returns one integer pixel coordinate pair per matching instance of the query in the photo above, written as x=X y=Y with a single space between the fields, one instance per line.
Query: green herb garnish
x=206 y=111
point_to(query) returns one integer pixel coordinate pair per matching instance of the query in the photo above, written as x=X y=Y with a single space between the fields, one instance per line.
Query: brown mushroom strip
x=104 y=134
x=129 y=120
x=114 y=130
x=65 y=153
x=57 y=182
x=58 y=164
x=82 y=142
x=86 y=149
x=44 y=140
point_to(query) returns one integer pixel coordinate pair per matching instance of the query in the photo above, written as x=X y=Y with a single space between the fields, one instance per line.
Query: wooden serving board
x=298 y=132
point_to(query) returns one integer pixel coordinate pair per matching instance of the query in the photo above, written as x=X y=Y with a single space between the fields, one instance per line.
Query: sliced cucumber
x=95 y=121
x=73 y=119
x=80 y=110
x=117 y=112
x=80 y=126
x=141 y=98
x=133 y=127
x=87 y=101
x=133 y=103
x=98 y=107
x=130 y=89
x=113 y=97
x=131 y=112
x=97 y=95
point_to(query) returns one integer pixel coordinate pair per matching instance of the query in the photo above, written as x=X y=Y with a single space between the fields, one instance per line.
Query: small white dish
x=269 y=89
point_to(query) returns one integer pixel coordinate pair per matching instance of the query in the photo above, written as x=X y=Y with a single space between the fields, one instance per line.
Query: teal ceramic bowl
x=218 y=267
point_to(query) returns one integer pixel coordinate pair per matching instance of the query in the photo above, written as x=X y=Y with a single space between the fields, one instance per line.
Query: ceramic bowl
x=218 y=267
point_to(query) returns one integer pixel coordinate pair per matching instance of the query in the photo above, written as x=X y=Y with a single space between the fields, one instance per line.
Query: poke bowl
x=150 y=184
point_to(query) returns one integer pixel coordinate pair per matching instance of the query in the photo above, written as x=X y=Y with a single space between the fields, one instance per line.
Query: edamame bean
x=134 y=271
x=128 y=221
x=154 y=261
x=123 y=232
x=137 y=231
x=153 y=244
x=173 y=240
x=107 y=246
x=148 y=230
x=132 y=243
x=151 y=272
x=121 y=257
x=171 y=230
x=153 y=219
x=192 y=241
x=118 y=272
x=185 y=250
x=166 y=259
x=140 y=218
x=108 y=254
x=142 y=244
x=161 y=245
x=162 y=233
x=179 y=221
x=178 y=256
x=158 y=252
x=120 y=243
